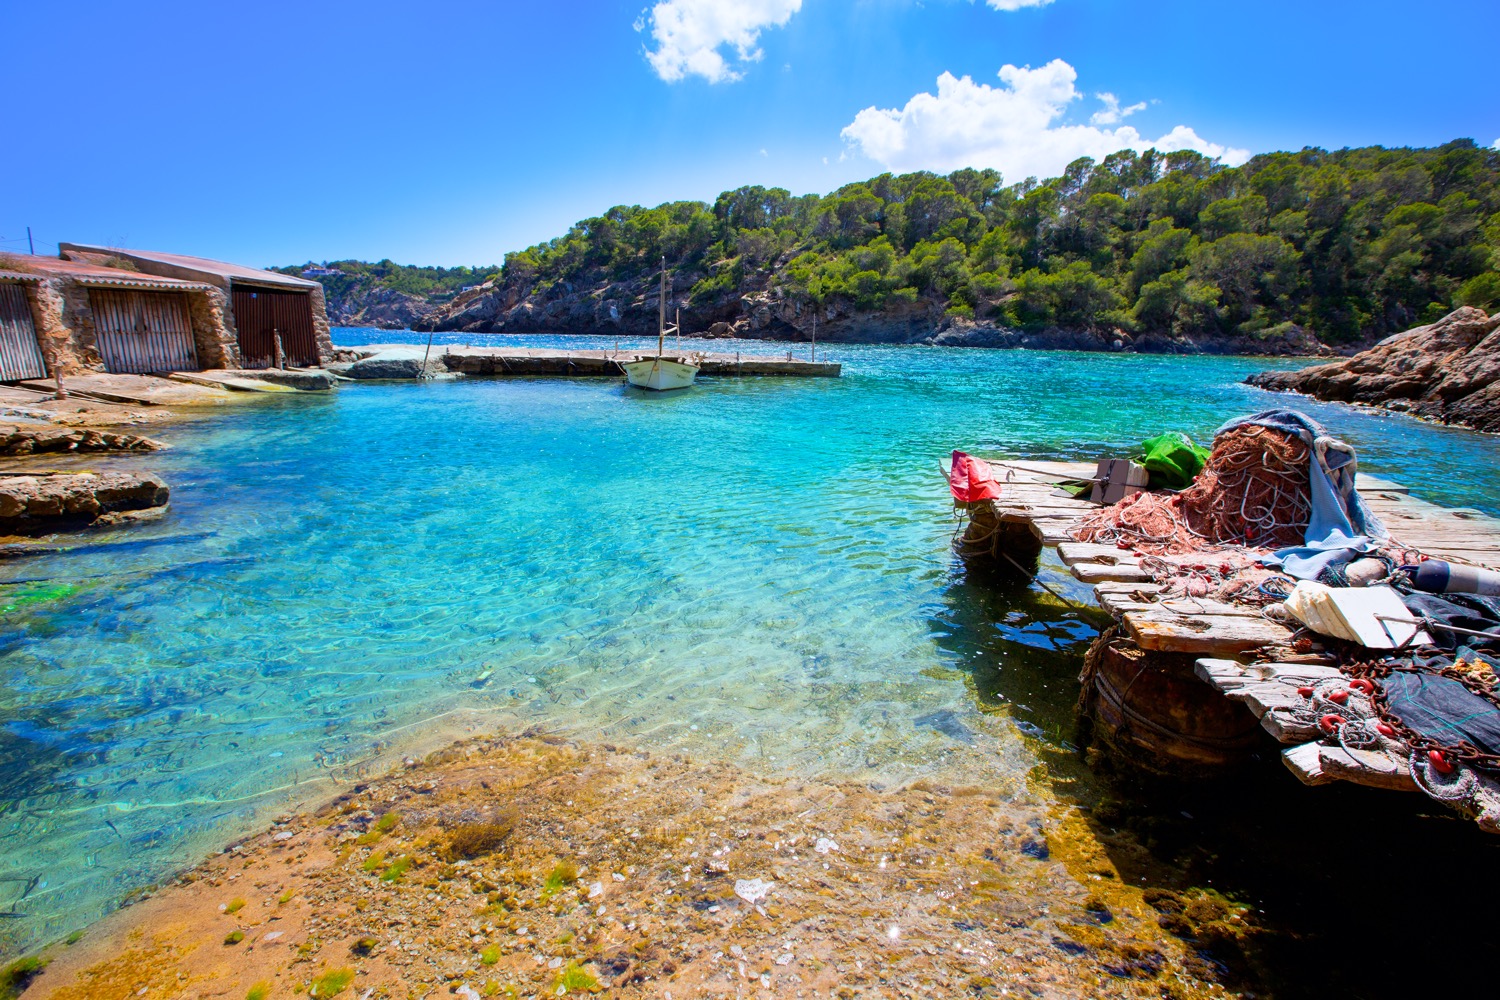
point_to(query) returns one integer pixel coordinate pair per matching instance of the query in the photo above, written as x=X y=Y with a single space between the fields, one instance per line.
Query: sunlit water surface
x=756 y=569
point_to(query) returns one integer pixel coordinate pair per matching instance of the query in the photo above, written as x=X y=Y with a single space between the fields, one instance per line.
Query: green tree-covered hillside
x=1348 y=244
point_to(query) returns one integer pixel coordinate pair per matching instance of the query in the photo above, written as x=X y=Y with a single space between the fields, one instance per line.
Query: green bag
x=1173 y=460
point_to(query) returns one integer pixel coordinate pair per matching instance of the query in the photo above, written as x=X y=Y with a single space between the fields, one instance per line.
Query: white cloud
x=1014 y=127
x=691 y=34
x=1016 y=4
x=1112 y=113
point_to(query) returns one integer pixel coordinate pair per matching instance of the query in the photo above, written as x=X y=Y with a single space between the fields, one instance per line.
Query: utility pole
x=815 y=337
x=29 y=243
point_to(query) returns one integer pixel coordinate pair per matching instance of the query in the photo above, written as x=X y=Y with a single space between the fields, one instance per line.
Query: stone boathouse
x=104 y=309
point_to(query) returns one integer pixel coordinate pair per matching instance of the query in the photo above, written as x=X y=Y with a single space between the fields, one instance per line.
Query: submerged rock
x=1448 y=371
x=39 y=504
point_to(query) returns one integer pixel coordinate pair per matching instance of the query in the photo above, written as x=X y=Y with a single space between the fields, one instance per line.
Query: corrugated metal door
x=260 y=314
x=20 y=357
x=143 y=332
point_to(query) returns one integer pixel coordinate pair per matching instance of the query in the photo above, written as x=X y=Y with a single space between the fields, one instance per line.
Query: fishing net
x=1253 y=495
x=1254 y=492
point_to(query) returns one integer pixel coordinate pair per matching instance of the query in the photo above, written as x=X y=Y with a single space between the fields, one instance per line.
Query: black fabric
x=1470 y=611
x=1442 y=709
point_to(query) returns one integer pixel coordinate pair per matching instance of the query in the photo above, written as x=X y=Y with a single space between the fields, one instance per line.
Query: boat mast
x=661 y=312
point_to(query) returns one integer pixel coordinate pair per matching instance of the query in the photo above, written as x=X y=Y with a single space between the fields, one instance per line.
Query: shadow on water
x=1346 y=891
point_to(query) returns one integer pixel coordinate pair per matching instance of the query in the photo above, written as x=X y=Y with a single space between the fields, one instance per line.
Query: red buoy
x=1360 y=684
x=1384 y=730
x=1329 y=723
x=1305 y=692
x=1439 y=762
x=1339 y=696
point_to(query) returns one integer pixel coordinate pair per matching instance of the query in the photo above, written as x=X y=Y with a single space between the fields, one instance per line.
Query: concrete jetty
x=534 y=361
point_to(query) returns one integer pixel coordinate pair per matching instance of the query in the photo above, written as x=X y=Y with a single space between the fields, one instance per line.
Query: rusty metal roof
x=178 y=265
x=84 y=273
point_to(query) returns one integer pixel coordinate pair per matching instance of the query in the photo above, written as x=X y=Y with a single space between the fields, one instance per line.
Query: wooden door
x=20 y=356
x=143 y=332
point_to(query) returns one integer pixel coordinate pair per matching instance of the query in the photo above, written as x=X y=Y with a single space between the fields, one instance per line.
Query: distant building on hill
x=107 y=309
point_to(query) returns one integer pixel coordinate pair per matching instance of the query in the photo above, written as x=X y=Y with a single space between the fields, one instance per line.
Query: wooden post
x=280 y=356
x=61 y=393
x=426 y=354
x=815 y=338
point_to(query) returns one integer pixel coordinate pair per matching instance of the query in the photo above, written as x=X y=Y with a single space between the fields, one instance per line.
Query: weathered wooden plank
x=1369 y=483
x=1287 y=728
x=1090 y=572
x=1366 y=767
x=1306 y=763
x=1077 y=552
x=1119 y=603
x=1127 y=587
x=1205 y=634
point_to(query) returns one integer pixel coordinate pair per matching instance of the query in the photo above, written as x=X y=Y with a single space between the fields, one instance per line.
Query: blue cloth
x=1341 y=527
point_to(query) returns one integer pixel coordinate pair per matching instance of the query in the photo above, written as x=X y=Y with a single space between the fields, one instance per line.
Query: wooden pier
x=1237 y=652
x=534 y=361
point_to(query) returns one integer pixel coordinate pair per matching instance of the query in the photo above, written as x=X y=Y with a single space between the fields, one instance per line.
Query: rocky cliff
x=1448 y=371
x=765 y=313
x=371 y=305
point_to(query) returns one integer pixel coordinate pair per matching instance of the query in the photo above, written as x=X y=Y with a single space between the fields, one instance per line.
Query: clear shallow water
x=753 y=569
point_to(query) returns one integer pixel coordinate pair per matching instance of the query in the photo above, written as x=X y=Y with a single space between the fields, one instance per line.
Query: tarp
x=1173 y=460
x=1341 y=527
x=971 y=479
x=1442 y=709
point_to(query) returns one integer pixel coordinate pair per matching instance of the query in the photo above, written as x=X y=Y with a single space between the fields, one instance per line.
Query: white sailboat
x=661 y=372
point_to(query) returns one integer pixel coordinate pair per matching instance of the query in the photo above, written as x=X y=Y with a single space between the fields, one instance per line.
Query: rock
x=304 y=379
x=39 y=504
x=1448 y=371
x=17 y=440
x=397 y=363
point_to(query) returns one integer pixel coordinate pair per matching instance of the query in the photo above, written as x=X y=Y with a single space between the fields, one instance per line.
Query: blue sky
x=451 y=133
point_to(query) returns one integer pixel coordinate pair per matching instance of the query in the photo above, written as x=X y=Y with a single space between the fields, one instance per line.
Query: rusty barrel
x=1004 y=543
x=1151 y=709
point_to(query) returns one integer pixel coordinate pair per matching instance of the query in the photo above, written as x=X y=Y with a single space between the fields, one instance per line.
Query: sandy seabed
x=536 y=866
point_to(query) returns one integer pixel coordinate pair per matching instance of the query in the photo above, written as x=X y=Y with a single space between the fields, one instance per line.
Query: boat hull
x=659 y=374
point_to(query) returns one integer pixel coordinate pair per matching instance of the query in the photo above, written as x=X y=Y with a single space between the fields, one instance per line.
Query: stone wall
x=64 y=325
x=322 y=333
x=214 y=334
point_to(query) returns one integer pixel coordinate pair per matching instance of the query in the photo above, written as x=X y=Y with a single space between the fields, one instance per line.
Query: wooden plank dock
x=534 y=361
x=1228 y=639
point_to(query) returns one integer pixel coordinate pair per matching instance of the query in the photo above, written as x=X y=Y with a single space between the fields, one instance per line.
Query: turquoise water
x=756 y=570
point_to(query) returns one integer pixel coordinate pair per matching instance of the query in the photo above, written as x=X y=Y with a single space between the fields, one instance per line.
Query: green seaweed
x=331 y=983
x=373 y=862
x=38 y=595
x=284 y=898
x=364 y=946
x=74 y=938
x=234 y=937
x=234 y=905
x=397 y=869
x=384 y=825
x=259 y=991
x=19 y=974
x=573 y=978
x=490 y=955
x=565 y=874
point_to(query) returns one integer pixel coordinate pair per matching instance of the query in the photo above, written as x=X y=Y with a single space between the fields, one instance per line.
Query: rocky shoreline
x=1447 y=372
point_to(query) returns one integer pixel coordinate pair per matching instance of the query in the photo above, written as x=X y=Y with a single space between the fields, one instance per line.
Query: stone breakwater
x=1448 y=371
x=539 y=867
x=44 y=503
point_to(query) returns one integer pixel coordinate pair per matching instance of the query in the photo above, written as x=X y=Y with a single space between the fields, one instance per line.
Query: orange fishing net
x=1254 y=494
